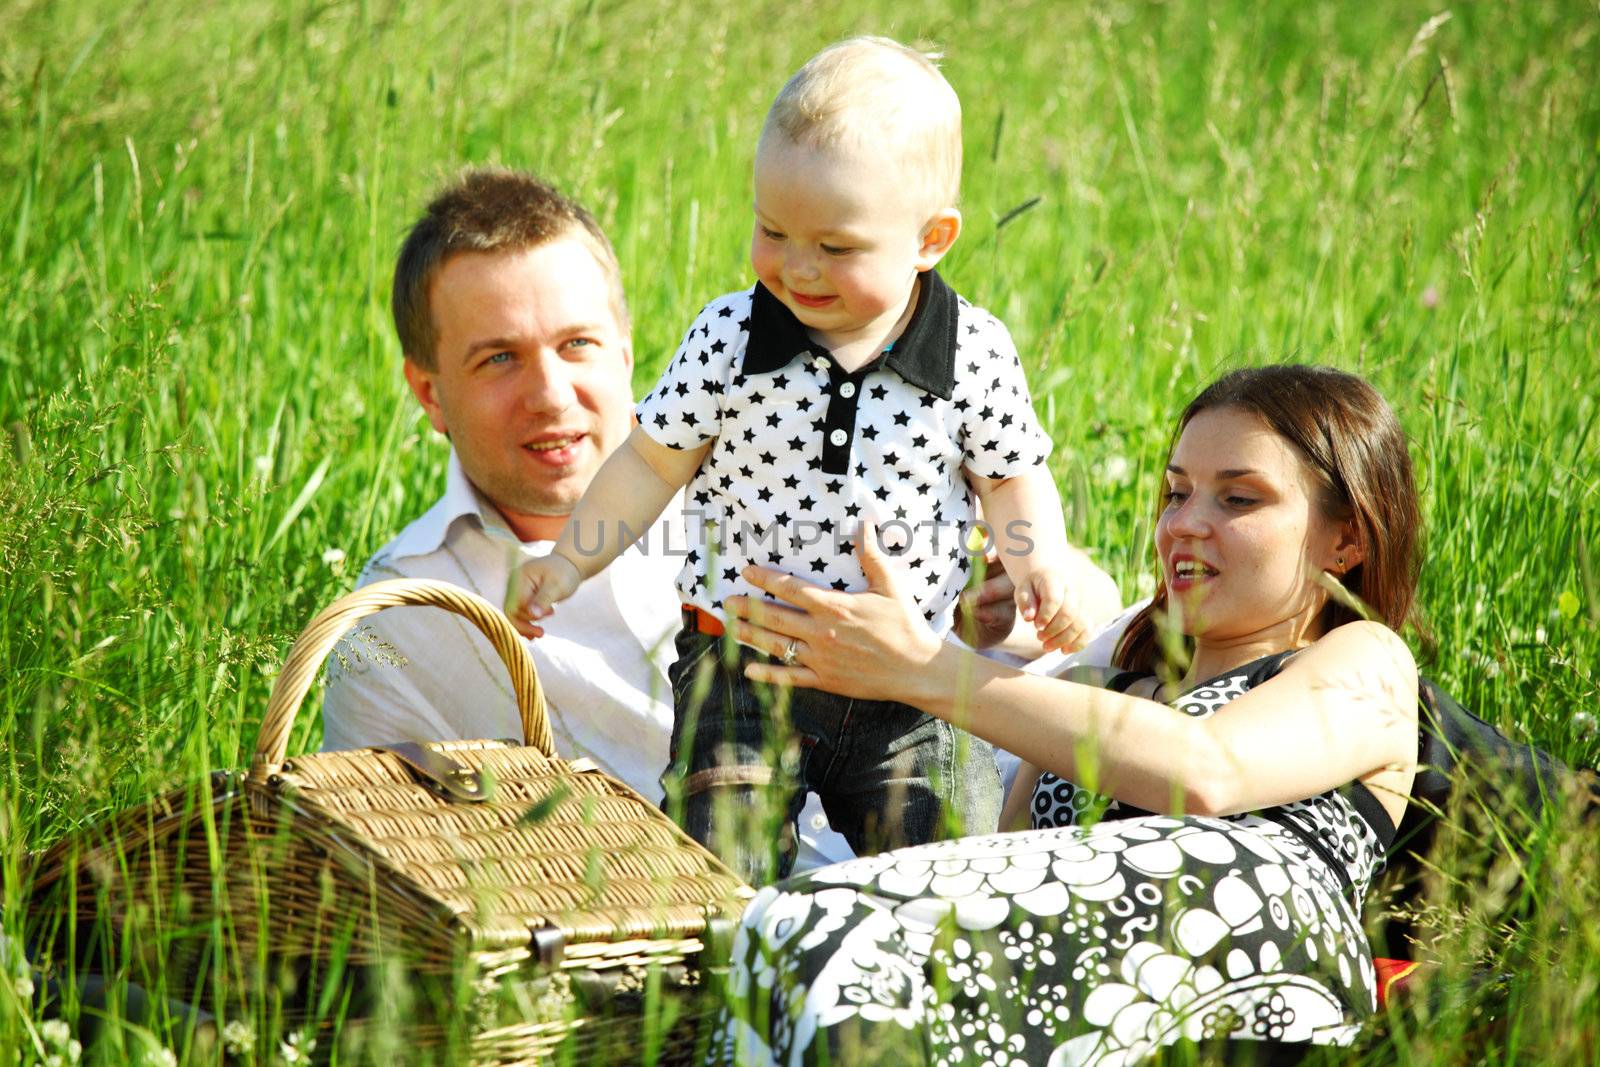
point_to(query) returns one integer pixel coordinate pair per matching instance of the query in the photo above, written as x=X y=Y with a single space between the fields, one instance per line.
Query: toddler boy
x=850 y=384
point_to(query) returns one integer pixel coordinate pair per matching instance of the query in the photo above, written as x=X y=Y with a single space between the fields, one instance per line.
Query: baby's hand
x=536 y=587
x=1043 y=599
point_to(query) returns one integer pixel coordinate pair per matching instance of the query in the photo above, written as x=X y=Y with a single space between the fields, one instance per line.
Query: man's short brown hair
x=486 y=209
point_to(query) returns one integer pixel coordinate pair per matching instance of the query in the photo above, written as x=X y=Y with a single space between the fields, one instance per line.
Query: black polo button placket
x=788 y=418
x=839 y=423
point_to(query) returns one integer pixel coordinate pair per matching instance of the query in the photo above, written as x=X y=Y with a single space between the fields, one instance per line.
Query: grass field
x=206 y=429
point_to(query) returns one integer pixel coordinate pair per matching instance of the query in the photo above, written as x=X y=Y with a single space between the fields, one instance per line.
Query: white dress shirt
x=422 y=674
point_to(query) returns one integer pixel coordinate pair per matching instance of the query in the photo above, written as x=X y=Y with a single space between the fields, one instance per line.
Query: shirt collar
x=924 y=355
x=461 y=500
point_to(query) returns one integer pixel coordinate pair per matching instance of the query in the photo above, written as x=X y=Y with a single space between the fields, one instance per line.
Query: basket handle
x=318 y=639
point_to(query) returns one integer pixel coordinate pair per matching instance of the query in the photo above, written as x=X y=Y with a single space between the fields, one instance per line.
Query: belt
x=702 y=620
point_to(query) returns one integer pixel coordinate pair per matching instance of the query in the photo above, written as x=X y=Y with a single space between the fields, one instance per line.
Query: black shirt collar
x=924 y=355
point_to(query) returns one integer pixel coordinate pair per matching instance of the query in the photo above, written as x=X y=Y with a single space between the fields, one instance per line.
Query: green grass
x=200 y=391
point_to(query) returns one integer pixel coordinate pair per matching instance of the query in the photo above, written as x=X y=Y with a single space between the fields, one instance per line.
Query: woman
x=1252 y=697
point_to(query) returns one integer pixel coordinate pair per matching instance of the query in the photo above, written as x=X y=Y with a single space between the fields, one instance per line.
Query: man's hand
x=1042 y=599
x=536 y=587
x=986 y=614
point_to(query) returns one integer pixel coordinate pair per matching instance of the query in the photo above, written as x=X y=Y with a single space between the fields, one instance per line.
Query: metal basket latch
x=439 y=772
x=549 y=946
x=717 y=940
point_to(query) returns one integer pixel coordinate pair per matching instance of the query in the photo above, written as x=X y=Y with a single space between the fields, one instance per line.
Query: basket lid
x=553 y=846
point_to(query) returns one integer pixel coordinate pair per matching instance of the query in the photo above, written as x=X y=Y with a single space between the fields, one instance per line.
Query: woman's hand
x=871 y=645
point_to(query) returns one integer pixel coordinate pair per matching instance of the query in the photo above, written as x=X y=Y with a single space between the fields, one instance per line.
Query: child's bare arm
x=1024 y=512
x=627 y=495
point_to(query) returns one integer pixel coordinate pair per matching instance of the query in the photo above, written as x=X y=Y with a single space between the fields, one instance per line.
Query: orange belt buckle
x=702 y=620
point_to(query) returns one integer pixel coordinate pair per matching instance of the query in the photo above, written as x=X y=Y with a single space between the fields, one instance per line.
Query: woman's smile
x=1185 y=572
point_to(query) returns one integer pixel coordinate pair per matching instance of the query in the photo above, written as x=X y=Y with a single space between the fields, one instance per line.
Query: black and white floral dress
x=1098 y=937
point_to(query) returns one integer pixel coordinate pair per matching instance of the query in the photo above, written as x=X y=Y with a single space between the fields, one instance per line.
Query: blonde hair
x=873 y=92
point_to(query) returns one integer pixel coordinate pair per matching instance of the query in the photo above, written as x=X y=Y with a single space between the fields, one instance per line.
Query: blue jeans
x=744 y=754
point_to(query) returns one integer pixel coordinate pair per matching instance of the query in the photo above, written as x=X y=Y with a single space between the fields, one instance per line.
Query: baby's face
x=839 y=237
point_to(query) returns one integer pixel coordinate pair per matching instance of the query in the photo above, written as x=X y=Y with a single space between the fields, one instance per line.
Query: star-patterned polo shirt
x=805 y=450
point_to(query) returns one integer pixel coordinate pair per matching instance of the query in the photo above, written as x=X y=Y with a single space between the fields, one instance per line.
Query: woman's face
x=1241 y=537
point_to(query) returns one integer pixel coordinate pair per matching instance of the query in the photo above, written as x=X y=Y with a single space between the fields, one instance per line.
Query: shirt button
x=819 y=822
x=838 y=437
x=847 y=390
x=821 y=363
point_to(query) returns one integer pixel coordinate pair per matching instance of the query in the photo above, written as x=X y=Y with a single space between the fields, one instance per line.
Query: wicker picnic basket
x=477 y=866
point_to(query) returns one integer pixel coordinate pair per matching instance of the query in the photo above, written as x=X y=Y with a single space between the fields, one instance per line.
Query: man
x=509 y=305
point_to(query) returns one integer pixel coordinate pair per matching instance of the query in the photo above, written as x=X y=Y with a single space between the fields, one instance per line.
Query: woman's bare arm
x=1342 y=709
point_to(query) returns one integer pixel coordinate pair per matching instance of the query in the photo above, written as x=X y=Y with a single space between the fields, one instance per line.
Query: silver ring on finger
x=791 y=652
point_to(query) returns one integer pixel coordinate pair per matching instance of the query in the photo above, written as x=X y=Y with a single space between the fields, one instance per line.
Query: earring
x=1339 y=563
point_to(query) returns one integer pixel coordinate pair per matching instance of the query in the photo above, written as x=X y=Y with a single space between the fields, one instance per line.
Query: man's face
x=532 y=382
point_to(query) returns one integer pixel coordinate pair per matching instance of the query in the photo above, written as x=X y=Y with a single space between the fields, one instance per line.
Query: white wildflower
x=264 y=466
x=297 y=1048
x=160 y=1057
x=1117 y=469
x=1583 y=724
x=70 y=1052
x=55 y=1032
x=23 y=984
x=334 y=557
x=238 y=1038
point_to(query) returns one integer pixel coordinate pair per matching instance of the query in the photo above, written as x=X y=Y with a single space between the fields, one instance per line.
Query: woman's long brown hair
x=1355 y=450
